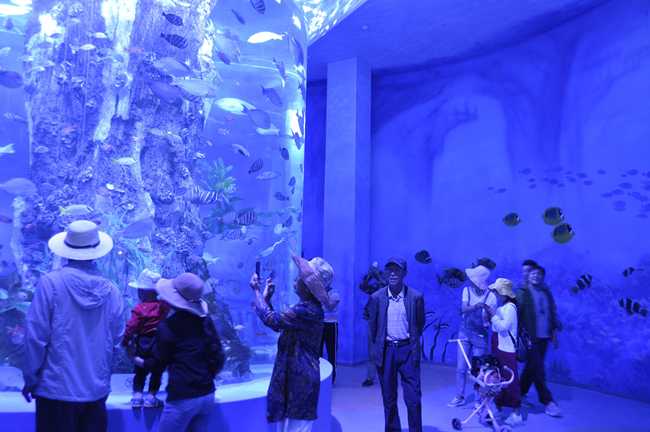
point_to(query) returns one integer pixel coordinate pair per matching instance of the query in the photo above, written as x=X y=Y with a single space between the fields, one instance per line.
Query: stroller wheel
x=505 y=428
x=456 y=424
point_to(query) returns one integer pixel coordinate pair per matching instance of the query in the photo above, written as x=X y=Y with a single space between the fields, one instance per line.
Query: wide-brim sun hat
x=503 y=286
x=82 y=241
x=146 y=281
x=183 y=292
x=317 y=274
x=478 y=275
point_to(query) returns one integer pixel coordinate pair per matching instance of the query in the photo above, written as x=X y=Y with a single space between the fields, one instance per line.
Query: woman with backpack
x=473 y=325
x=190 y=348
x=504 y=345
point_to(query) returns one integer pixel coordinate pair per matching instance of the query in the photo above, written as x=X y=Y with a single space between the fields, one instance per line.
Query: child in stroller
x=489 y=378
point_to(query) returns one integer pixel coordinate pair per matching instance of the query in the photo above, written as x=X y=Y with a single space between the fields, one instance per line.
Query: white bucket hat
x=183 y=292
x=146 y=281
x=503 y=286
x=478 y=275
x=81 y=241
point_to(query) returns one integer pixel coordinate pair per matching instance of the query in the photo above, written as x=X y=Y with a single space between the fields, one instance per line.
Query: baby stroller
x=485 y=373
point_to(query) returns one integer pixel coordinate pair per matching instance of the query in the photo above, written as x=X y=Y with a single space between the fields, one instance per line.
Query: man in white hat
x=473 y=324
x=73 y=324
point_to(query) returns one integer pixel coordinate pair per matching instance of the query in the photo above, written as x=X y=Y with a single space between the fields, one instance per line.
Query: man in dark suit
x=396 y=321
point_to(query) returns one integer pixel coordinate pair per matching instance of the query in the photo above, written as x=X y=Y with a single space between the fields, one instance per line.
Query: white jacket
x=73 y=325
x=504 y=321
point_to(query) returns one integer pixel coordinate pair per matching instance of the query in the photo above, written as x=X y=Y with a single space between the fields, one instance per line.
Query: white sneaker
x=514 y=419
x=553 y=410
x=457 y=401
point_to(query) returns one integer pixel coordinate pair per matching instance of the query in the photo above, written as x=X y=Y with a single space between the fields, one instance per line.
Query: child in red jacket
x=140 y=337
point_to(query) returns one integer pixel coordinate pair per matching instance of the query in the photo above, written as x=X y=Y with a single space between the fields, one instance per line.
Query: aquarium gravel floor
x=359 y=409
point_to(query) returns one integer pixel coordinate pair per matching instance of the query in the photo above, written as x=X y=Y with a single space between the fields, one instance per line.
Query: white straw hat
x=81 y=241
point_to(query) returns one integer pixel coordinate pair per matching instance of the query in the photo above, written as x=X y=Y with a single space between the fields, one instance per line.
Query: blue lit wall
x=560 y=120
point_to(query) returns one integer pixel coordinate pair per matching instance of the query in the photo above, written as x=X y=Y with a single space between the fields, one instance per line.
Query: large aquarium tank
x=178 y=126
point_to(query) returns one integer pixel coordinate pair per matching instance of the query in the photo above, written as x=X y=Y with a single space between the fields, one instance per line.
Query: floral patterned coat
x=295 y=382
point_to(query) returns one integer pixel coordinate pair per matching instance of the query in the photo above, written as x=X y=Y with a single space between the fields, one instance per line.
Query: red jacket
x=144 y=319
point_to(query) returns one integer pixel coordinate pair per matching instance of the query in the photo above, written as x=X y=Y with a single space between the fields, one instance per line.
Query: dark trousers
x=141 y=376
x=330 y=339
x=57 y=416
x=534 y=371
x=401 y=360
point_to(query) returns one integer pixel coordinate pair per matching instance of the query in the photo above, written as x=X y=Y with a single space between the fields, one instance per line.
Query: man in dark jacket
x=538 y=316
x=396 y=320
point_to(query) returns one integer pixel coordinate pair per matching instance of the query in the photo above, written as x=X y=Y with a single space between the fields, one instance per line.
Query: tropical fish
x=452 y=277
x=281 y=197
x=423 y=257
x=267 y=175
x=125 y=161
x=265 y=36
x=259 y=5
x=99 y=35
x=272 y=95
x=279 y=65
x=138 y=229
x=511 y=219
x=199 y=196
x=5 y=219
x=625 y=185
x=238 y=17
x=75 y=210
x=9 y=24
x=19 y=186
x=7 y=149
x=628 y=271
x=10 y=79
x=257 y=165
x=172 y=67
x=246 y=217
x=288 y=222
x=292 y=181
x=260 y=119
x=296 y=49
x=269 y=250
x=175 y=40
x=284 y=153
x=583 y=282
x=633 y=307
x=486 y=262
x=553 y=216
x=87 y=47
x=234 y=105
x=196 y=87
x=167 y=92
x=173 y=19
x=238 y=148
x=501 y=190
x=272 y=130
x=563 y=233
x=199 y=155
x=209 y=259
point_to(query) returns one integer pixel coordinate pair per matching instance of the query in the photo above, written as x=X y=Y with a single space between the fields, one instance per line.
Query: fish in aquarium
x=173 y=19
x=256 y=166
x=553 y=216
x=19 y=186
x=485 y=262
x=265 y=36
x=511 y=219
x=423 y=257
x=629 y=270
x=563 y=233
x=583 y=282
x=633 y=307
x=7 y=149
x=259 y=6
x=238 y=17
x=452 y=277
x=240 y=149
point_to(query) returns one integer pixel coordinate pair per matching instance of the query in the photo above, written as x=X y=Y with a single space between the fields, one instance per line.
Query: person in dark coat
x=396 y=319
x=190 y=348
x=292 y=397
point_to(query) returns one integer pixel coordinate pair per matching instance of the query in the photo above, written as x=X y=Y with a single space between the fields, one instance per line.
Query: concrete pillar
x=346 y=203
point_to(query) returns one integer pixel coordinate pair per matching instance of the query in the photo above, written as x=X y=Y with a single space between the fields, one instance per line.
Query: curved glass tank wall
x=178 y=126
